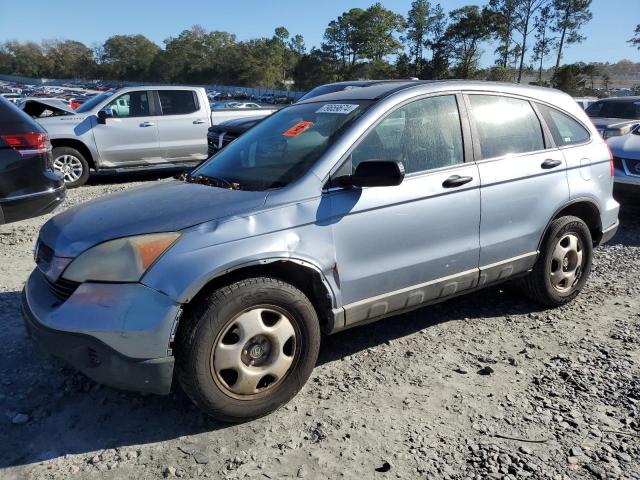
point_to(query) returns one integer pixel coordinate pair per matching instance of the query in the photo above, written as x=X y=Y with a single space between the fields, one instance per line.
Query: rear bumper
x=21 y=207
x=609 y=233
x=104 y=333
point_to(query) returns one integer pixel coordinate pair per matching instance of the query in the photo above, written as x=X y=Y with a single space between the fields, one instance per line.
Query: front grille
x=218 y=140
x=633 y=167
x=62 y=288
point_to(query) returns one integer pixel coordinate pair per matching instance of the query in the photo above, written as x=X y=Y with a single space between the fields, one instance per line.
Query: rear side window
x=505 y=126
x=178 y=102
x=565 y=130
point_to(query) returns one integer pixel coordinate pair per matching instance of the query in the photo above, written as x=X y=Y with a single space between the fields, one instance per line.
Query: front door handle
x=550 y=163
x=147 y=124
x=456 y=181
x=199 y=121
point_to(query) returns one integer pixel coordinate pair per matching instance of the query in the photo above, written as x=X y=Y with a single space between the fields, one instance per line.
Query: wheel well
x=78 y=145
x=306 y=279
x=588 y=213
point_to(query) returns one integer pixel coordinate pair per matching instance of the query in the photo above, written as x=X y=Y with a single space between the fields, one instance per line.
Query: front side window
x=423 y=135
x=132 y=104
x=505 y=126
x=565 y=130
x=177 y=102
x=282 y=147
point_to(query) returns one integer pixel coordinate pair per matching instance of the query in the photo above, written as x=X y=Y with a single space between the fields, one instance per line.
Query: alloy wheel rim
x=69 y=167
x=566 y=263
x=254 y=352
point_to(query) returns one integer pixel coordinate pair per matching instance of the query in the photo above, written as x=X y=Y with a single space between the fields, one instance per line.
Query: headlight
x=121 y=260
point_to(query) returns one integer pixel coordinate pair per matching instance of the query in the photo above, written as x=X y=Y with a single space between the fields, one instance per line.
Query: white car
x=244 y=105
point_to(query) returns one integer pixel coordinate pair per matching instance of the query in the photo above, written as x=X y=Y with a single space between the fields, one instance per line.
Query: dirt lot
x=484 y=386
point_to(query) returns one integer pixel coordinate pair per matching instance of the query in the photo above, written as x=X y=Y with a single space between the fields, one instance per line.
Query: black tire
x=538 y=284
x=203 y=326
x=59 y=152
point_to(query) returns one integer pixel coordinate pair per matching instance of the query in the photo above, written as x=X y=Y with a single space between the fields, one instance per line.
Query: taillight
x=28 y=143
x=612 y=167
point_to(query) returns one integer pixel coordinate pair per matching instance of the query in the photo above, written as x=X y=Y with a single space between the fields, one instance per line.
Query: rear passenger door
x=182 y=128
x=523 y=182
x=398 y=247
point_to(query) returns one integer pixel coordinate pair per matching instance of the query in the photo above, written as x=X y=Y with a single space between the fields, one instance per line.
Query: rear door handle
x=199 y=121
x=550 y=163
x=456 y=181
x=147 y=124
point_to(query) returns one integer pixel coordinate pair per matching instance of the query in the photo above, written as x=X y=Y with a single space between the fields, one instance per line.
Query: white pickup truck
x=132 y=128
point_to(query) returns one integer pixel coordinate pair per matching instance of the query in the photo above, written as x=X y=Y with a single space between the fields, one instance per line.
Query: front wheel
x=247 y=348
x=564 y=263
x=71 y=165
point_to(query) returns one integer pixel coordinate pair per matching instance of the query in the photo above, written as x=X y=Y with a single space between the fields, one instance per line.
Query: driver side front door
x=130 y=138
x=402 y=246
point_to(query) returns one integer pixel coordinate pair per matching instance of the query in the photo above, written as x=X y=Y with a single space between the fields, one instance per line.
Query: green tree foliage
x=571 y=15
x=437 y=42
x=129 y=56
x=375 y=42
x=636 y=38
x=68 y=58
x=469 y=26
x=418 y=29
x=569 y=78
x=502 y=18
x=544 y=39
x=195 y=56
x=526 y=11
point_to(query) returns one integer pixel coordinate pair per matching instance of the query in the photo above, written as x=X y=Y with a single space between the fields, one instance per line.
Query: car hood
x=601 y=122
x=625 y=146
x=237 y=124
x=165 y=207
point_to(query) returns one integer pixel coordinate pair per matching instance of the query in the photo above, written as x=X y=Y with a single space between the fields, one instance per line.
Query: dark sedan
x=28 y=185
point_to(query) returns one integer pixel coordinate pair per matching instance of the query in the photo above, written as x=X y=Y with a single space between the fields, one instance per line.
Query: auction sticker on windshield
x=343 y=108
x=297 y=129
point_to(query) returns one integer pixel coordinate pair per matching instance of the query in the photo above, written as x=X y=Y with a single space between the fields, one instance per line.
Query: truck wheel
x=71 y=165
x=564 y=263
x=247 y=348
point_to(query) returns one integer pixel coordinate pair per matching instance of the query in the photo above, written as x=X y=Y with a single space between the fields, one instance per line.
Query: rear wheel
x=564 y=263
x=247 y=348
x=71 y=165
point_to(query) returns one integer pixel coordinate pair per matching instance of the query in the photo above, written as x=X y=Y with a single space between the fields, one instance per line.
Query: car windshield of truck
x=281 y=148
x=628 y=110
x=88 y=105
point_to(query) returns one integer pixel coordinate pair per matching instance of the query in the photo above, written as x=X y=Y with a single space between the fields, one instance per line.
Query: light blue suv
x=334 y=212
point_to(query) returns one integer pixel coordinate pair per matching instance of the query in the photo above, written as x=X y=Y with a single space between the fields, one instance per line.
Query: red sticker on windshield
x=297 y=129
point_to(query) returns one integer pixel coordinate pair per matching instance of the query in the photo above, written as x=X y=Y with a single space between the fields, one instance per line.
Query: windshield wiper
x=212 y=181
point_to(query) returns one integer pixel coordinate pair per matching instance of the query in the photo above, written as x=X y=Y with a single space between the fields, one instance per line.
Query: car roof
x=380 y=90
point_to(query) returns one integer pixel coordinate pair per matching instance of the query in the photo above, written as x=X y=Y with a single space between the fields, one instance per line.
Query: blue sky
x=94 y=21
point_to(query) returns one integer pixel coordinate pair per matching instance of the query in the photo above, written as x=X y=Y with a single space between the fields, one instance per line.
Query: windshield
x=627 y=109
x=283 y=147
x=88 y=105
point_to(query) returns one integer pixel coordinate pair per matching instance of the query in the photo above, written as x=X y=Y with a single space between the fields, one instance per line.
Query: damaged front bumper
x=116 y=334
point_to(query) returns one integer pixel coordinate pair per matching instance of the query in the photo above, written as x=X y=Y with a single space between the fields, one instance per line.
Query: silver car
x=332 y=213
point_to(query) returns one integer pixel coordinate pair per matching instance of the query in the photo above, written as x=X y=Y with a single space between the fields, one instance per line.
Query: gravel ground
x=484 y=386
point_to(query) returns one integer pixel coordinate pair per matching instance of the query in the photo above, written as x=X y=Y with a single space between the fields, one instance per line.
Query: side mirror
x=104 y=114
x=378 y=173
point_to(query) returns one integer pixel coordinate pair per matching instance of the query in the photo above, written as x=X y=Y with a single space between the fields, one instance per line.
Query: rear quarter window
x=178 y=102
x=564 y=129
